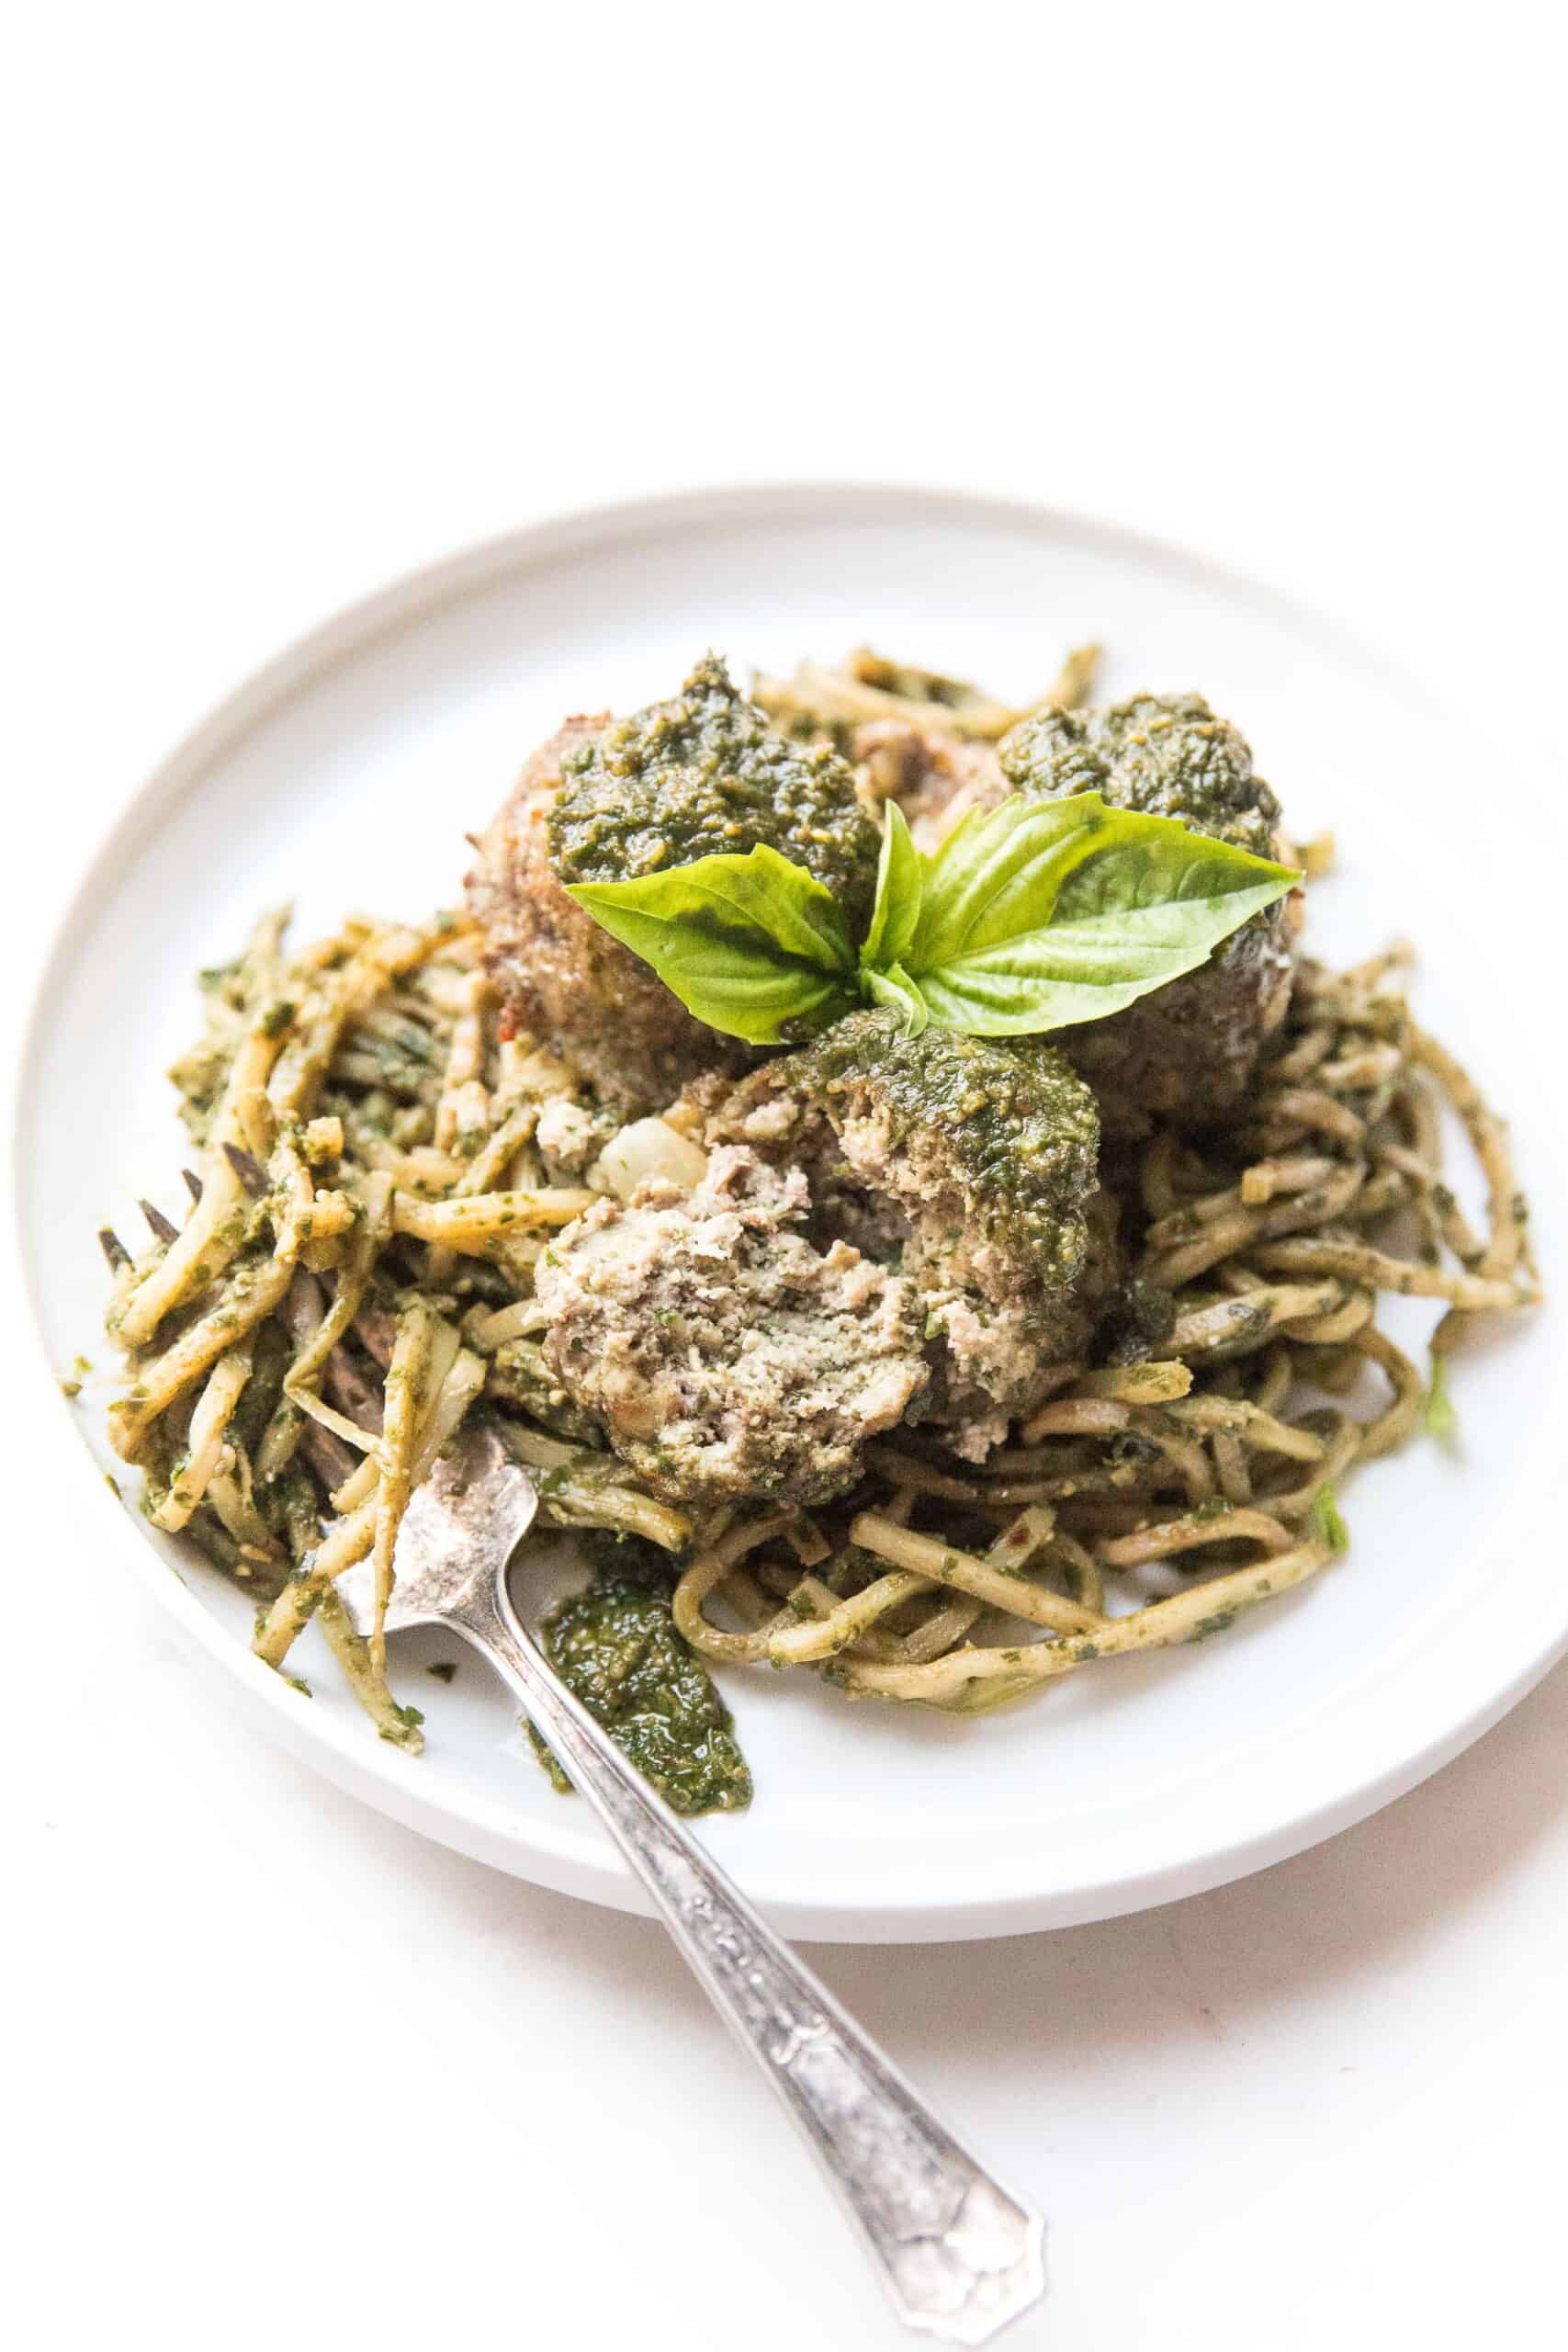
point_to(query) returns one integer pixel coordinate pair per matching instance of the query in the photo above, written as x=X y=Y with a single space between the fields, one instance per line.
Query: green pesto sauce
x=1136 y=1321
x=1167 y=755
x=614 y=1646
x=518 y=1377
x=1014 y=1124
x=704 y=774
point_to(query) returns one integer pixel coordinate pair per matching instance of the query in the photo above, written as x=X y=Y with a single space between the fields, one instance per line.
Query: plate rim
x=562 y=1855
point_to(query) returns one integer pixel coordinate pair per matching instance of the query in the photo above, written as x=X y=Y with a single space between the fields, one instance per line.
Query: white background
x=302 y=296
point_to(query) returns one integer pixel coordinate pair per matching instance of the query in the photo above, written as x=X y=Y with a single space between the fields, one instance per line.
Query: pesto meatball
x=1188 y=1050
x=577 y=989
x=606 y=799
x=726 y=1358
x=704 y=774
x=969 y=1164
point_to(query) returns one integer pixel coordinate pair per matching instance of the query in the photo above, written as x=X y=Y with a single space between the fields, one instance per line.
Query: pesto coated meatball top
x=1007 y=1132
x=1167 y=755
x=705 y=773
x=969 y=1164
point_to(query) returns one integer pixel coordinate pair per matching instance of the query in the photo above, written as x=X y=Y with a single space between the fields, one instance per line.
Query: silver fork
x=957 y=2254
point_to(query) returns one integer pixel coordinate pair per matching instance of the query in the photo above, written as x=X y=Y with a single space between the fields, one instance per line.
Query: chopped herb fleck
x=1331 y=1528
x=1439 y=1413
x=1218 y=1623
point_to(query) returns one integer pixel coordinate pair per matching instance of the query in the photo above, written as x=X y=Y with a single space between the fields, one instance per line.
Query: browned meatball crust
x=566 y=981
x=608 y=800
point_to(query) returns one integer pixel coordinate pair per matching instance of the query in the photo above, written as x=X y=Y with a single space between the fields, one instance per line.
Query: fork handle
x=956 y=2254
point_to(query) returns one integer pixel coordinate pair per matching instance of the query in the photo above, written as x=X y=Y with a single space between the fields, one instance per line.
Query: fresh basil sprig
x=748 y=944
x=1043 y=913
x=1031 y=917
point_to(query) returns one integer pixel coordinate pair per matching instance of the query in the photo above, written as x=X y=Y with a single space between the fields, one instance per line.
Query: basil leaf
x=1042 y=914
x=747 y=943
x=900 y=886
x=894 y=986
x=998 y=872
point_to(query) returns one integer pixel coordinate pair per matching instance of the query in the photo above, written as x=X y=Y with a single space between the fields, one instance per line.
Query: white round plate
x=344 y=775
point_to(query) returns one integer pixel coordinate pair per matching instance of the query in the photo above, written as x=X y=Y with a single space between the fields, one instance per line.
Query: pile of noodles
x=354 y=1275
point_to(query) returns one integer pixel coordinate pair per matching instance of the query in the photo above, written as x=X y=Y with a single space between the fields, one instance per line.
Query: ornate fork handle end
x=957 y=2254
x=959 y=2257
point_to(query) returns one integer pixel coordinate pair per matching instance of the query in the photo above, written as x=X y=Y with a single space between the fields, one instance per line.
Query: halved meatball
x=972 y=1166
x=726 y=1358
x=1187 y=1051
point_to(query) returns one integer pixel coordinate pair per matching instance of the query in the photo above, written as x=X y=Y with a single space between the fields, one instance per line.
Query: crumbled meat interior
x=724 y=1355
